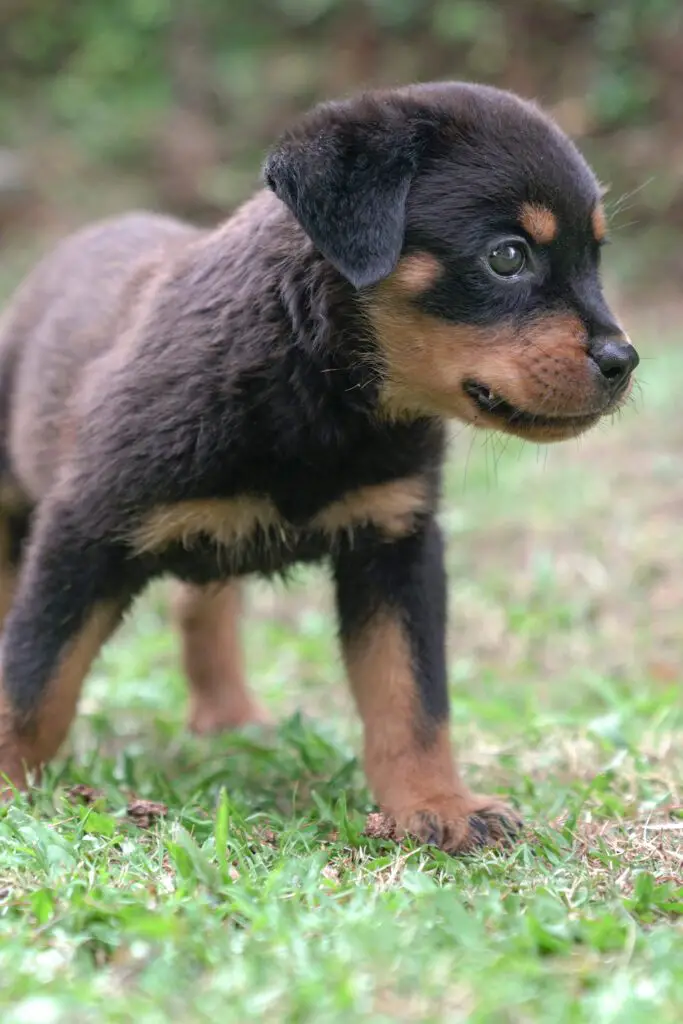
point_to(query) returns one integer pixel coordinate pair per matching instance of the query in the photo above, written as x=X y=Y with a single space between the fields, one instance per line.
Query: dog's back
x=69 y=311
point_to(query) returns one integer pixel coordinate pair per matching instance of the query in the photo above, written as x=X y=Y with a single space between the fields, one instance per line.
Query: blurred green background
x=565 y=566
x=172 y=103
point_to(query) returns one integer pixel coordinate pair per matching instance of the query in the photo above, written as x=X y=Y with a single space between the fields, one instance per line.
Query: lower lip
x=499 y=409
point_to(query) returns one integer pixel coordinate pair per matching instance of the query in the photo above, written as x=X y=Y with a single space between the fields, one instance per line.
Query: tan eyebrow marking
x=599 y=222
x=539 y=222
x=418 y=272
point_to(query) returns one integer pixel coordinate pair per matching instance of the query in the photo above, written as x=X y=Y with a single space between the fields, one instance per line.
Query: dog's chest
x=226 y=536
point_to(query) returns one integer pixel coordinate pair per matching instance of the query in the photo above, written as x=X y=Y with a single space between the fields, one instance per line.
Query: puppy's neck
x=294 y=304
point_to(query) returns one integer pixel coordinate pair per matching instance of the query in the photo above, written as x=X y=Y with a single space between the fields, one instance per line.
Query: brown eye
x=507 y=259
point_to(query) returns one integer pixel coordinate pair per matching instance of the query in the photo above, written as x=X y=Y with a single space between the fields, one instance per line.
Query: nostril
x=612 y=370
x=616 y=358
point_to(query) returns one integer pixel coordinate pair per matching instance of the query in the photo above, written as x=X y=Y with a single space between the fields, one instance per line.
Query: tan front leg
x=409 y=761
x=209 y=622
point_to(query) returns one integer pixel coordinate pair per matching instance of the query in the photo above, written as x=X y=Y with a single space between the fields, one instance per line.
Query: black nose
x=616 y=358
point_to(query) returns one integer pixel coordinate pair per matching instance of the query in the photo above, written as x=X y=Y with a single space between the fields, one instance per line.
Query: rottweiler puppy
x=213 y=404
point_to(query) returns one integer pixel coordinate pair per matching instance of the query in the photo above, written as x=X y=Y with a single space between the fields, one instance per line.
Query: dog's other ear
x=344 y=171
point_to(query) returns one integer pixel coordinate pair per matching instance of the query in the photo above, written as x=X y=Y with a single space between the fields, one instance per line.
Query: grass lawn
x=228 y=880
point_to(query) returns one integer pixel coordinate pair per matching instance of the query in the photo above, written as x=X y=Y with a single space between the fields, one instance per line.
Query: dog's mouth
x=519 y=420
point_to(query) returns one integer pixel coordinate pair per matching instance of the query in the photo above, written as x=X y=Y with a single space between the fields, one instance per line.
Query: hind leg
x=69 y=598
x=8 y=573
x=13 y=530
x=25 y=747
x=209 y=622
x=11 y=764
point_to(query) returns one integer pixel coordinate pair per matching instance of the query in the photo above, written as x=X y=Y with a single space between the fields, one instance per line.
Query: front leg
x=391 y=601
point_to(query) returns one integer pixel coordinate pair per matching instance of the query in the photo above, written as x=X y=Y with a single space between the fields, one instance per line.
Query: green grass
x=256 y=896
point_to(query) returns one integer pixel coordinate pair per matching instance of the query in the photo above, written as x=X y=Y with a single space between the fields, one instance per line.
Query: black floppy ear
x=344 y=172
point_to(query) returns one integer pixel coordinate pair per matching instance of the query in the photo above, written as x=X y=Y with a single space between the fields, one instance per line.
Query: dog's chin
x=493 y=412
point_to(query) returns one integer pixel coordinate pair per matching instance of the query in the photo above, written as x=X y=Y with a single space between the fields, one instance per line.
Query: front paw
x=457 y=827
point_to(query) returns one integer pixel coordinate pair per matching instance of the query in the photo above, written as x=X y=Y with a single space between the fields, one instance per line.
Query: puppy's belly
x=204 y=561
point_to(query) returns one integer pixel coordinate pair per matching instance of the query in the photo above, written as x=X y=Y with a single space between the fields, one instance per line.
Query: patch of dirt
x=144 y=813
x=379 y=826
x=85 y=794
x=614 y=854
x=267 y=837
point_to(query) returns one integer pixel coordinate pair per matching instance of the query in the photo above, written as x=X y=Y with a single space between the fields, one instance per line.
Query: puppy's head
x=471 y=227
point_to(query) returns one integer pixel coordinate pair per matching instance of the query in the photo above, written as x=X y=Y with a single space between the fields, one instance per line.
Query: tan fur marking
x=409 y=761
x=12 y=767
x=539 y=222
x=209 y=622
x=28 y=749
x=392 y=507
x=406 y=775
x=541 y=368
x=418 y=272
x=599 y=222
x=227 y=521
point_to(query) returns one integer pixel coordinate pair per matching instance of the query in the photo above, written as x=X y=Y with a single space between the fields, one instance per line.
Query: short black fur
x=145 y=366
x=405 y=580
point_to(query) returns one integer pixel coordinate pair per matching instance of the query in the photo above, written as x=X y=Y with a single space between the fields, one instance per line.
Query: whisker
x=619 y=204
